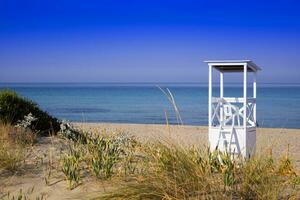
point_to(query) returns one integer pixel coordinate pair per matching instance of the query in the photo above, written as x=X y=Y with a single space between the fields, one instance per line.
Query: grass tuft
x=173 y=172
x=13 y=143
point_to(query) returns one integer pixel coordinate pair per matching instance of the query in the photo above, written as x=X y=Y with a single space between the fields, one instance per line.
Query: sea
x=278 y=105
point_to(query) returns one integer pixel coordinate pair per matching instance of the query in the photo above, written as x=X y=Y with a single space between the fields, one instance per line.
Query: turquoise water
x=277 y=105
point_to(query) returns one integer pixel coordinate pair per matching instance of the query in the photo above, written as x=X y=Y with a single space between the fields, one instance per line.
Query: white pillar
x=221 y=96
x=254 y=96
x=245 y=96
x=209 y=96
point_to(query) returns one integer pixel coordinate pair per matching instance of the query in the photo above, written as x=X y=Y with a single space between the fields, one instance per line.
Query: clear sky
x=145 y=41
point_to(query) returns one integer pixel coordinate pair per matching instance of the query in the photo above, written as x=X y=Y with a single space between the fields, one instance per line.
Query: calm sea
x=277 y=105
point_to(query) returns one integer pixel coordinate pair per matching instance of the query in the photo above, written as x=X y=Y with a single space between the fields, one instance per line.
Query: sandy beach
x=32 y=176
x=279 y=140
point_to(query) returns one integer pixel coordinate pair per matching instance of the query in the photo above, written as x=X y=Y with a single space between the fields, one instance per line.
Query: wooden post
x=221 y=97
x=209 y=96
x=254 y=96
x=245 y=96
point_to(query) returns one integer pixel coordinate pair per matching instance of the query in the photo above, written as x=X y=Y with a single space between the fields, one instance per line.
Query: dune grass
x=13 y=142
x=164 y=170
x=173 y=172
x=24 y=195
x=101 y=156
x=158 y=170
x=10 y=157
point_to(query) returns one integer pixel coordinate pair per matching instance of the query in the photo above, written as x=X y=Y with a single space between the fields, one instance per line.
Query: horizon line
x=125 y=82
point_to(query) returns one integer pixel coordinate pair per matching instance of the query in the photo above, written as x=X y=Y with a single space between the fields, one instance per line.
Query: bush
x=13 y=108
x=68 y=131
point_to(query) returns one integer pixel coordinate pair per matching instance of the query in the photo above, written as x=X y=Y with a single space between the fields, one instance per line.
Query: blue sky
x=145 y=41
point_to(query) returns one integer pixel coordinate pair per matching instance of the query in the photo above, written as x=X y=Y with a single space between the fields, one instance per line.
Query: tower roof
x=233 y=65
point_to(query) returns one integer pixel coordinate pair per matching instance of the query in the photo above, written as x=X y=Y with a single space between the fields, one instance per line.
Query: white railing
x=230 y=111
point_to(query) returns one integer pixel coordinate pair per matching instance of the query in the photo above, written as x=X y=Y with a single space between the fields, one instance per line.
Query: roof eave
x=249 y=63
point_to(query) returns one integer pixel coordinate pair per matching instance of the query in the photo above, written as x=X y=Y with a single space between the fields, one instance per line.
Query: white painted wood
x=254 y=96
x=245 y=95
x=249 y=63
x=226 y=132
x=233 y=100
x=210 y=96
x=242 y=145
x=227 y=61
x=221 y=96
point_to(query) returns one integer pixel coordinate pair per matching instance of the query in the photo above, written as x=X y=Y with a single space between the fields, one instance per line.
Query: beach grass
x=167 y=170
x=13 y=142
x=154 y=169
x=158 y=169
x=173 y=172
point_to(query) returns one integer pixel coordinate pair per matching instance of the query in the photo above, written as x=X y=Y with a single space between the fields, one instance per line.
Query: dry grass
x=168 y=171
x=173 y=172
x=13 y=142
x=14 y=135
x=161 y=170
x=11 y=158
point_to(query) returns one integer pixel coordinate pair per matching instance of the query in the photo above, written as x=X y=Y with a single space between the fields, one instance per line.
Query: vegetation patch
x=11 y=158
x=13 y=142
x=173 y=172
x=13 y=108
x=71 y=168
x=24 y=195
x=102 y=156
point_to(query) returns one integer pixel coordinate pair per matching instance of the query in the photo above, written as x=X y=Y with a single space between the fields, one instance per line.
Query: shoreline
x=163 y=124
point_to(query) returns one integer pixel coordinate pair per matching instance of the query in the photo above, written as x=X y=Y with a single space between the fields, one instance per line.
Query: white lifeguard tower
x=232 y=120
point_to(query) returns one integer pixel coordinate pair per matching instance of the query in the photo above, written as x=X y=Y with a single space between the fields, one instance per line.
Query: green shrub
x=104 y=154
x=68 y=131
x=70 y=163
x=13 y=108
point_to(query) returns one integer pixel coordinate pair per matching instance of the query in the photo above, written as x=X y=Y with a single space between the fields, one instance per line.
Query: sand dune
x=33 y=174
